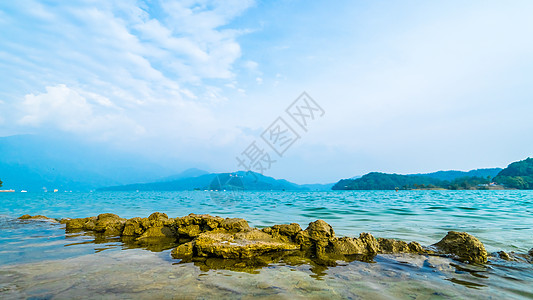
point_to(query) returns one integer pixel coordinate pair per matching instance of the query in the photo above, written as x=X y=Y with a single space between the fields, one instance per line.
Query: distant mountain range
x=241 y=180
x=37 y=163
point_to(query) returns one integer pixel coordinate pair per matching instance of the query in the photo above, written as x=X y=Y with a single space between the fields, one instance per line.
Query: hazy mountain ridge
x=218 y=181
x=32 y=162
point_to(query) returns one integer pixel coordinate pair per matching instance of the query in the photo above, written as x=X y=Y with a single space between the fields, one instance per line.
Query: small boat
x=23 y=191
x=7 y=191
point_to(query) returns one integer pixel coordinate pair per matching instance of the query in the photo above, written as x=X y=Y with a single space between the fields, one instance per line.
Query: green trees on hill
x=518 y=175
x=468 y=183
x=383 y=181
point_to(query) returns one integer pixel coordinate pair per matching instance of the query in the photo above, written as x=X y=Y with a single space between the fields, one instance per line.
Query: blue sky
x=406 y=86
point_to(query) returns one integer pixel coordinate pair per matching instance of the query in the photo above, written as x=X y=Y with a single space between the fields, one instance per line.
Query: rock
x=320 y=230
x=158 y=219
x=464 y=245
x=347 y=246
x=79 y=223
x=366 y=245
x=231 y=243
x=315 y=237
x=37 y=217
x=183 y=251
x=239 y=245
x=190 y=230
x=372 y=245
x=286 y=232
x=157 y=216
x=393 y=246
x=155 y=226
x=109 y=224
x=156 y=232
x=417 y=248
x=135 y=226
x=192 y=225
x=503 y=255
x=234 y=224
x=530 y=252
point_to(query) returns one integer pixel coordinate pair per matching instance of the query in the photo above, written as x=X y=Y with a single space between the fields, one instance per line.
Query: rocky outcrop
x=465 y=246
x=231 y=242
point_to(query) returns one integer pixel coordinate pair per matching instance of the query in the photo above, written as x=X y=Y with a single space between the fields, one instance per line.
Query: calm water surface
x=37 y=259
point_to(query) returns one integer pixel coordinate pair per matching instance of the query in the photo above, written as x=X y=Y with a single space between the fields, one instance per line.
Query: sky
x=398 y=86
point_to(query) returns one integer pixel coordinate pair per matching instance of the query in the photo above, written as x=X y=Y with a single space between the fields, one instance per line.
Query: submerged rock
x=503 y=255
x=37 y=217
x=465 y=246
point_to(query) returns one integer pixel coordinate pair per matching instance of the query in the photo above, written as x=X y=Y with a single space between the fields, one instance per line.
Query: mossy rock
x=465 y=246
x=37 y=217
x=239 y=245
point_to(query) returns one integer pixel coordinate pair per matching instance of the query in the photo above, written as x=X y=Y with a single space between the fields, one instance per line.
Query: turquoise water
x=34 y=255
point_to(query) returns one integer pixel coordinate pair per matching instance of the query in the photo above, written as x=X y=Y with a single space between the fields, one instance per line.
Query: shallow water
x=37 y=259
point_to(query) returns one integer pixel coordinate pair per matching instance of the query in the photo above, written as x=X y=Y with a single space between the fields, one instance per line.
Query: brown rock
x=77 y=224
x=234 y=224
x=286 y=232
x=190 y=230
x=134 y=226
x=157 y=216
x=37 y=217
x=239 y=245
x=320 y=230
x=204 y=223
x=183 y=251
x=372 y=245
x=347 y=246
x=463 y=245
x=503 y=255
x=417 y=248
x=393 y=246
x=157 y=232
x=109 y=224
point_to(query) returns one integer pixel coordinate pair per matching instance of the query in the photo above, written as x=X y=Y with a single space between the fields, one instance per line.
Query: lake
x=38 y=259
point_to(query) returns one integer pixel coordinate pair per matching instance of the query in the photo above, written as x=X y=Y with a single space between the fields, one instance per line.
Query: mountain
x=518 y=175
x=441 y=179
x=383 y=181
x=215 y=181
x=452 y=175
x=192 y=172
x=32 y=162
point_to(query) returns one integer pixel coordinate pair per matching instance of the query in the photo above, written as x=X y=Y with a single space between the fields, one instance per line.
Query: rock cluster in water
x=231 y=240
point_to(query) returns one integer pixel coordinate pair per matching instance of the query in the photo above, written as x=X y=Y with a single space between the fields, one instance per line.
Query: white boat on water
x=23 y=191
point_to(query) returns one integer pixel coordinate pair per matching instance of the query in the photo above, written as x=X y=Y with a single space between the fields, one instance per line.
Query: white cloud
x=75 y=111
